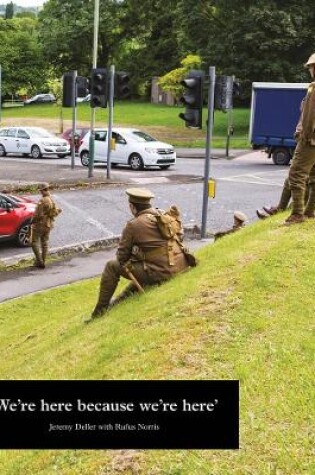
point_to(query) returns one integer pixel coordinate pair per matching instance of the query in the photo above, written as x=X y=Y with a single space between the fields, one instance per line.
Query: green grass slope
x=246 y=312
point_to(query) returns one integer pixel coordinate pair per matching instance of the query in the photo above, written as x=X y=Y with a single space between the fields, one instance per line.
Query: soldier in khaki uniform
x=303 y=163
x=42 y=223
x=239 y=223
x=144 y=255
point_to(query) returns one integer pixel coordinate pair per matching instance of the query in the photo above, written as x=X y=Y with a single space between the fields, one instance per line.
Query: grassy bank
x=161 y=120
x=246 y=312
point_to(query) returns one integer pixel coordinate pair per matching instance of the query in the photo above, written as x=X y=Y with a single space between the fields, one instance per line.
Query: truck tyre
x=281 y=156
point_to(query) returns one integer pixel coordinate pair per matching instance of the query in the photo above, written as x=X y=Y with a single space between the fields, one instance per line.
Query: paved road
x=244 y=183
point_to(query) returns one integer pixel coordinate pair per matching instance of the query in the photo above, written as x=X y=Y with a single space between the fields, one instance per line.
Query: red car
x=16 y=214
x=78 y=136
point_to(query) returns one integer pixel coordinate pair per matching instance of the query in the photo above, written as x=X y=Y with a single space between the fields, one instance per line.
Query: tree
x=171 y=81
x=9 y=11
x=21 y=58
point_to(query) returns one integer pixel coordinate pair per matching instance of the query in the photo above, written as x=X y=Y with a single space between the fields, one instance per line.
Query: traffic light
x=99 y=87
x=122 y=86
x=67 y=90
x=193 y=99
x=223 y=93
x=82 y=86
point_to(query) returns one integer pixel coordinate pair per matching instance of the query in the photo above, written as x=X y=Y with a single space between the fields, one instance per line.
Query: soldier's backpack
x=170 y=227
x=170 y=224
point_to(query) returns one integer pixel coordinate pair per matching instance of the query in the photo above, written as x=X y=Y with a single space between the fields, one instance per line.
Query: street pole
x=94 y=65
x=230 y=115
x=110 y=117
x=208 y=151
x=74 y=116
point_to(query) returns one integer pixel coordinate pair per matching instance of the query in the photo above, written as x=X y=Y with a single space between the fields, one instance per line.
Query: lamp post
x=94 y=65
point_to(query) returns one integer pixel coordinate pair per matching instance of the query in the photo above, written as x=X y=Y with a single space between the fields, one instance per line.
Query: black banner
x=119 y=414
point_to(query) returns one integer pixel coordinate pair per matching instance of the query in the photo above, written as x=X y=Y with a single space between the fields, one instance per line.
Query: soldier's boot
x=294 y=219
x=109 y=281
x=38 y=258
x=128 y=292
x=297 y=215
x=272 y=210
x=261 y=214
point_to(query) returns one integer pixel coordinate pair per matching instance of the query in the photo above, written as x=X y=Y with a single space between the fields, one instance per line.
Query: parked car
x=132 y=147
x=40 y=99
x=78 y=136
x=33 y=141
x=16 y=213
x=87 y=98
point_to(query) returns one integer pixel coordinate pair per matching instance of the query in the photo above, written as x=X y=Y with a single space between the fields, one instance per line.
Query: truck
x=275 y=111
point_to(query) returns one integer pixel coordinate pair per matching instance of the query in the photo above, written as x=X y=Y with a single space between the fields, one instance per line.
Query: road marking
x=253 y=179
x=85 y=216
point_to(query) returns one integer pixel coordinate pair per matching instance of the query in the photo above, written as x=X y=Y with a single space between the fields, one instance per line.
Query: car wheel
x=85 y=158
x=35 y=152
x=23 y=235
x=164 y=167
x=281 y=156
x=136 y=162
x=61 y=155
x=2 y=151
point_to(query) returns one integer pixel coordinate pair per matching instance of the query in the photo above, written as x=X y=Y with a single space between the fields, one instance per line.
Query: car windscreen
x=142 y=136
x=39 y=133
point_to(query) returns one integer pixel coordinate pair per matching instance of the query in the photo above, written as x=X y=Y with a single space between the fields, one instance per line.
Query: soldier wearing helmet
x=239 y=222
x=145 y=255
x=42 y=223
x=303 y=164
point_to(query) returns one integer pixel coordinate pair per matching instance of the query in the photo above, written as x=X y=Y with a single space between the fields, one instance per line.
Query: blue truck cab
x=275 y=111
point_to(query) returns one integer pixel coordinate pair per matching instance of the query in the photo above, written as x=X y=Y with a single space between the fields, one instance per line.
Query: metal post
x=94 y=65
x=0 y=91
x=208 y=150
x=110 y=117
x=230 y=114
x=74 y=115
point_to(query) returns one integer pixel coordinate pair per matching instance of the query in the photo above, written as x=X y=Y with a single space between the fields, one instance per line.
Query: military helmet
x=43 y=186
x=310 y=61
x=240 y=216
x=139 y=195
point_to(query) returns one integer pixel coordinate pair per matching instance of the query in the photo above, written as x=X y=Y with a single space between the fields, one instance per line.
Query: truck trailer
x=275 y=111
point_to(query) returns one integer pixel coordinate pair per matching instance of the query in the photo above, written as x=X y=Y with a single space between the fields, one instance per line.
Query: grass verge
x=160 y=120
x=246 y=312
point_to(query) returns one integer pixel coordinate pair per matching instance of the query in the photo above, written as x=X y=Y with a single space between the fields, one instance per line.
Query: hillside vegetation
x=246 y=312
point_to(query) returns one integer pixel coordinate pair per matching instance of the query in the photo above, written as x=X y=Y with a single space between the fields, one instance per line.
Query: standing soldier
x=150 y=251
x=42 y=223
x=303 y=163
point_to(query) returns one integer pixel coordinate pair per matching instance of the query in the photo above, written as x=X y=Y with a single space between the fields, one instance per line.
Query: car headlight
x=151 y=150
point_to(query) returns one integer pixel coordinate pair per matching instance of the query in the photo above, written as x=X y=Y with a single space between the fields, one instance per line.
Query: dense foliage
x=265 y=40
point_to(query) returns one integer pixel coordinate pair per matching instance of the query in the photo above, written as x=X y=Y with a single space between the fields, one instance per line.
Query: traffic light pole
x=208 y=151
x=94 y=64
x=74 y=116
x=110 y=117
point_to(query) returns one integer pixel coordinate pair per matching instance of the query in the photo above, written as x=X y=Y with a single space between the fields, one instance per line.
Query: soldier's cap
x=43 y=186
x=310 y=61
x=139 y=195
x=240 y=216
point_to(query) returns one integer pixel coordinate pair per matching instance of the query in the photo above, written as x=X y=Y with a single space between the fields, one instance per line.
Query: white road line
x=252 y=182
x=85 y=216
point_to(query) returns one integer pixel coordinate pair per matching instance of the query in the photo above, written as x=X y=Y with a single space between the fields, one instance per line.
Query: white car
x=33 y=141
x=40 y=99
x=132 y=147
